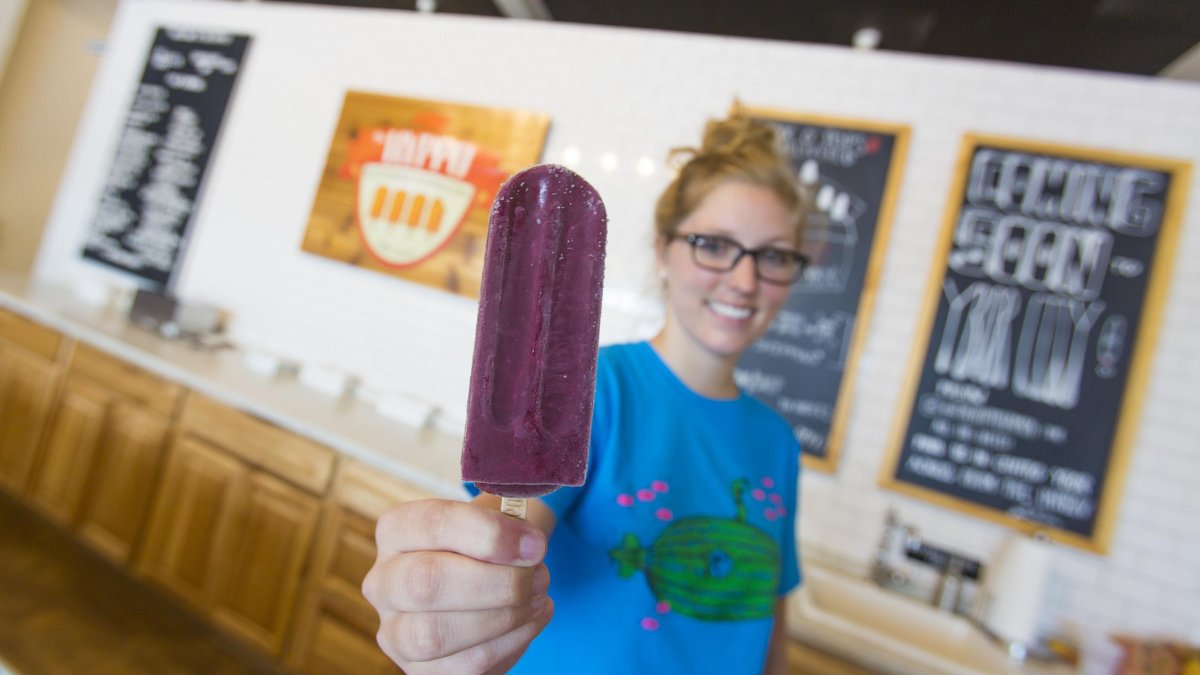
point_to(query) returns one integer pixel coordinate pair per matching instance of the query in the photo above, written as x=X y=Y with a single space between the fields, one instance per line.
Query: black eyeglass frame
x=695 y=239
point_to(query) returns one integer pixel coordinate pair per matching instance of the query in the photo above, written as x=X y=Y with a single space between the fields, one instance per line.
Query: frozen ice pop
x=529 y=410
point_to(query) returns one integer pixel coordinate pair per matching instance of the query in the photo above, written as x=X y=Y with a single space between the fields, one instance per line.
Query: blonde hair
x=738 y=149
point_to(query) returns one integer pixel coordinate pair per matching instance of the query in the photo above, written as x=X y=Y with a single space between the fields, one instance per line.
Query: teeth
x=729 y=311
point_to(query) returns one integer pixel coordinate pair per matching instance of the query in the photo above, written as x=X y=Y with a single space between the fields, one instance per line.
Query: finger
x=438 y=581
x=428 y=636
x=494 y=656
x=471 y=530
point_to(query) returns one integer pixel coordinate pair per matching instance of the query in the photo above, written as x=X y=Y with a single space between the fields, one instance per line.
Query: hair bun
x=737 y=134
x=737 y=139
x=737 y=148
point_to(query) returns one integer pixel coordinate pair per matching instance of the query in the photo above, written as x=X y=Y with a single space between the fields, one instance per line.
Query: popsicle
x=533 y=375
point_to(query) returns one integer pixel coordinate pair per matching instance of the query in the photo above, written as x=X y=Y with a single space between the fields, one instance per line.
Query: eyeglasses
x=721 y=254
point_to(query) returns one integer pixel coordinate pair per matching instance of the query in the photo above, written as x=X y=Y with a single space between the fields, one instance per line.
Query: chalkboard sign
x=1024 y=391
x=170 y=131
x=804 y=365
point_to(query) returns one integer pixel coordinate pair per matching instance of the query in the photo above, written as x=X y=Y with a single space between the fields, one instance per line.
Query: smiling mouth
x=730 y=311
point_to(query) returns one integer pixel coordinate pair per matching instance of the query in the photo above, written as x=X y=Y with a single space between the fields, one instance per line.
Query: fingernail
x=531 y=548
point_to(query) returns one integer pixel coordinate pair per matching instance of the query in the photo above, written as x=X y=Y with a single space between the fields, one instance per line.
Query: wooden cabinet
x=807 y=660
x=232 y=528
x=240 y=519
x=194 y=512
x=104 y=451
x=29 y=381
x=70 y=448
x=335 y=628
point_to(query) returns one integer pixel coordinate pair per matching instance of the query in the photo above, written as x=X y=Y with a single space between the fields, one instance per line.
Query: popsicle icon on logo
x=413 y=198
x=533 y=375
x=406 y=214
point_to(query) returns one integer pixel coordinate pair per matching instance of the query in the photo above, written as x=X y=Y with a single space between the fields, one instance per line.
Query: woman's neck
x=707 y=374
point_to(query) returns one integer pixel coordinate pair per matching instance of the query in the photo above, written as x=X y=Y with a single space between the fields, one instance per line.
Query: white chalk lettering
x=1073 y=481
x=934 y=469
x=185 y=81
x=1122 y=199
x=977 y=336
x=1064 y=503
x=1020 y=467
x=1051 y=351
x=758 y=382
x=929 y=445
x=979 y=481
x=1016 y=491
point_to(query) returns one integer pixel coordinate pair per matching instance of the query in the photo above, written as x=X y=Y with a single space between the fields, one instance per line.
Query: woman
x=677 y=553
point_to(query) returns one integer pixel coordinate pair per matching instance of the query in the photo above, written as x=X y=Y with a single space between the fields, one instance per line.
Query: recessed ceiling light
x=866 y=38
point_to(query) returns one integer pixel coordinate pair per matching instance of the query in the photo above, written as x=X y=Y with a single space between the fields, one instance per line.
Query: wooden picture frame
x=857 y=165
x=1035 y=428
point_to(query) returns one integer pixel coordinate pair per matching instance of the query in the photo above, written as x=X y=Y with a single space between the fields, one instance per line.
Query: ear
x=660 y=250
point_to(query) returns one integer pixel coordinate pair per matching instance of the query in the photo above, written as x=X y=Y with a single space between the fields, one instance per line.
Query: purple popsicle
x=533 y=376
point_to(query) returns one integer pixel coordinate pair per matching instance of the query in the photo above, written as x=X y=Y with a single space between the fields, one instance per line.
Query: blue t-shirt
x=671 y=558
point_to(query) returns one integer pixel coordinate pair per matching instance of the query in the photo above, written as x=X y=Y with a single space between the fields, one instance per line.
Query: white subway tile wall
x=633 y=95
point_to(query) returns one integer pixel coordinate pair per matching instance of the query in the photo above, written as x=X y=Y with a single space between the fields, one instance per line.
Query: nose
x=744 y=275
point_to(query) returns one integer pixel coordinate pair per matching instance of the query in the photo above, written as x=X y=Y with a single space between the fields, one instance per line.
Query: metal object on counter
x=198 y=324
x=955 y=568
x=884 y=571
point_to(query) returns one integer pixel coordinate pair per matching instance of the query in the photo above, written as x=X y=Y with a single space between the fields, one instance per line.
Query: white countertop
x=428 y=458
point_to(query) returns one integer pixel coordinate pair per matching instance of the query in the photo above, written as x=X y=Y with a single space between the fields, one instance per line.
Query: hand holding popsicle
x=459 y=587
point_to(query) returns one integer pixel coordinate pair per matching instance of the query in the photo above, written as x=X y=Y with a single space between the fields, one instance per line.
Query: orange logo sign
x=412 y=195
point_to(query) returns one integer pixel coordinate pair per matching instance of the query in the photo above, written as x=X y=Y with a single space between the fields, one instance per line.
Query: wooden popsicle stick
x=514 y=506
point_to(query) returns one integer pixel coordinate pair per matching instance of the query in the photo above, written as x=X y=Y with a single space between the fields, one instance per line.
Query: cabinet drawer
x=30 y=335
x=283 y=453
x=370 y=492
x=126 y=379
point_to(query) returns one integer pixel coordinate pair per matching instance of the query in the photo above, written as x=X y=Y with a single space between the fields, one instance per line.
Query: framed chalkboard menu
x=1024 y=391
x=170 y=132
x=804 y=366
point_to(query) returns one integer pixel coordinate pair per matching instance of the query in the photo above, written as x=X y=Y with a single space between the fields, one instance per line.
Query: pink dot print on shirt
x=768 y=482
x=659 y=486
x=650 y=623
x=624 y=499
x=646 y=495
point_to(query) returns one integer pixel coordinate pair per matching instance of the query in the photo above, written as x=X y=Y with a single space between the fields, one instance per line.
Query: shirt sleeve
x=791 y=576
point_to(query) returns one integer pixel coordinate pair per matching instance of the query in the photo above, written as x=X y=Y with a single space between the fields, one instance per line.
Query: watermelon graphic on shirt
x=712 y=569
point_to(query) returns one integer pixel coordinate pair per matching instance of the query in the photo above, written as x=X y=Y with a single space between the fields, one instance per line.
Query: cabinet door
x=338 y=629
x=196 y=508
x=58 y=488
x=336 y=626
x=123 y=478
x=265 y=554
x=27 y=389
x=339 y=648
